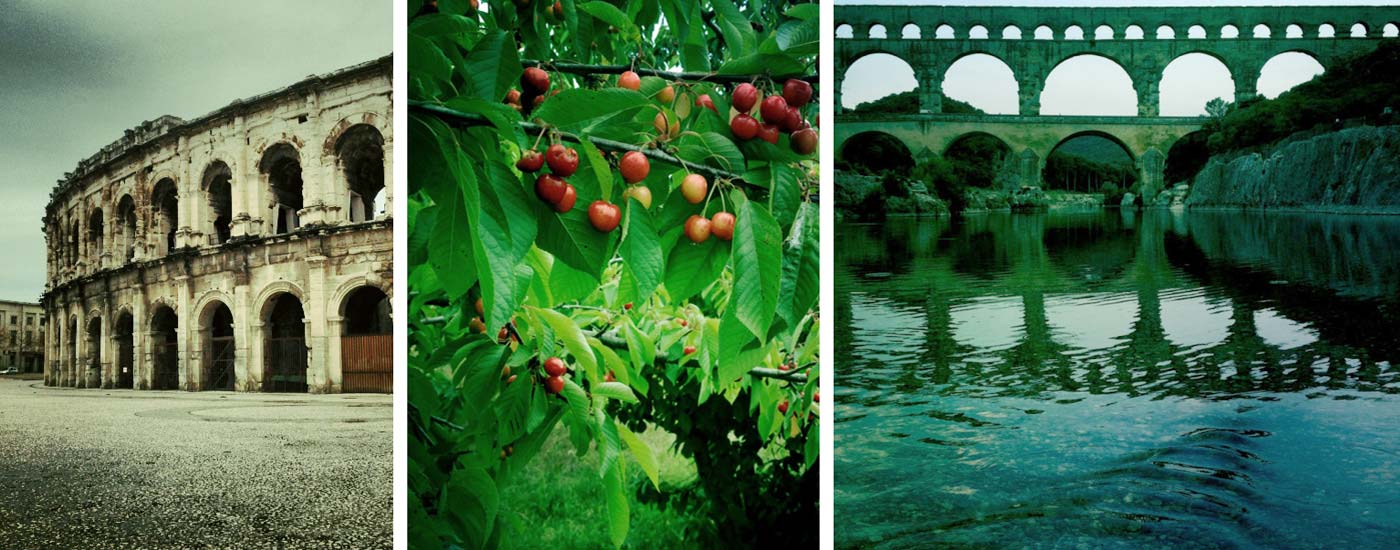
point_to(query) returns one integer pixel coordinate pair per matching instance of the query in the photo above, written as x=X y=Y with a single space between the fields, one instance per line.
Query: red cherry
x=563 y=161
x=629 y=80
x=793 y=121
x=550 y=188
x=817 y=397
x=804 y=141
x=641 y=193
x=797 y=92
x=554 y=385
x=783 y=407
x=744 y=127
x=705 y=101
x=511 y=379
x=609 y=377
x=513 y=96
x=627 y=306
x=530 y=161
x=693 y=188
x=773 y=109
x=745 y=97
x=769 y=133
x=604 y=215
x=535 y=81
x=554 y=366
x=697 y=229
x=722 y=225
x=688 y=350
x=683 y=322
x=503 y=335
x=634 y=166
x=666 y=95
x=566 y=203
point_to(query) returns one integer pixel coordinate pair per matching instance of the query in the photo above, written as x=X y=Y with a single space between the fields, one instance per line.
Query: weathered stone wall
x=22 y=327
x=116 y=258
x=1356 y=169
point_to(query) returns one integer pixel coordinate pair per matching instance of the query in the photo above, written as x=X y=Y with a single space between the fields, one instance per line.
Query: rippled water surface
x=1201 y=379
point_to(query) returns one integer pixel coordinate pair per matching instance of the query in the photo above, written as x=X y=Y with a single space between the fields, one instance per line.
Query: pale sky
x=74 y=75
x=1085 y=85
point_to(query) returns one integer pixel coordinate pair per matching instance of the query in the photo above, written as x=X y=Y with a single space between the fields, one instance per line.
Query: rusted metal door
x=367 y=363
x=285 y=364
x=218 y=364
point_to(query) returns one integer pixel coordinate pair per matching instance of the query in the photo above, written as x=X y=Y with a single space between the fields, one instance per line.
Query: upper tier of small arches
x=978 y=31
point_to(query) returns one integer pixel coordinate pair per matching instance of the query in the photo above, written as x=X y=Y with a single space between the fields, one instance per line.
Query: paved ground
x=168 y=469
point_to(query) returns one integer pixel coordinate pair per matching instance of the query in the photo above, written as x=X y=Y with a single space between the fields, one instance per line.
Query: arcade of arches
x=1031 y=43
x=246 y=250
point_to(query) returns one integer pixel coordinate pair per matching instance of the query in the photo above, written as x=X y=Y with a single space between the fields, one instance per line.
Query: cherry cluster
x=781 y=113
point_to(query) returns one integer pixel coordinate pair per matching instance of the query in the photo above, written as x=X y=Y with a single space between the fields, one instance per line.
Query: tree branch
x=580 y=68
x=459 y=118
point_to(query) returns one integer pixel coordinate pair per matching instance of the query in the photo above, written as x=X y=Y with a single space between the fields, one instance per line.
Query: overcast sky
x=1084 y=85
x=74 y=75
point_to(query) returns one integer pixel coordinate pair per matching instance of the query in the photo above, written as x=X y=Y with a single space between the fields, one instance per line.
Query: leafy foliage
x=657 y=330
x=1076 y=173
x=908 y=103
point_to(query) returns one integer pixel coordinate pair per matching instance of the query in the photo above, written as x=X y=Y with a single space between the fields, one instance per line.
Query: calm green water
x=1108 y=379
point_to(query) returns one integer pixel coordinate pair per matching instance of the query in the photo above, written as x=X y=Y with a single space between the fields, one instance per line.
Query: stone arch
x=877 y=32
x=1128 y=171
x=125 y=228
x=861 y=142
x=1390 y=30
x=1229 y=31
x=96 y=229
x=1074 y=32
x=1050 y=84
x=845 y=30
x=1261 y=31
x=1103 y=32
x=281 y=171
x=360 y=161
x=92 y=343
x=1272 y=85
x=1165 y=32
x=215 y=324
x=978 y=32
x=1167 y=92
x=910 y=31
x=1359 y=30
x=165 y=351
x=1133 y=155
x=850 y=101
x=1043 y=32
x=1326 y=30
x=365 y=309
x=165 y=214
x=371 y=118
x=972 y=146
x=335 y=306
x=283 y=320
x=1134 y=32
x=217 y=186
x=944 y=32
x=1011 y=32
x=1196 y=32
x=124 y=343
x=1293 y=30
x=951 y=87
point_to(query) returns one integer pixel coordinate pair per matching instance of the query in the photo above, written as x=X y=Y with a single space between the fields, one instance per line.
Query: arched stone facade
x=166 y=245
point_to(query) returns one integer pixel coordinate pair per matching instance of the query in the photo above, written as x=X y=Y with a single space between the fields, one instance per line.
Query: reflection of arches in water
x=284 y=359
x=165 y=351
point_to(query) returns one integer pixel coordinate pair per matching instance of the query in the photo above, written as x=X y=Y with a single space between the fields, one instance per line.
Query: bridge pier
x=931 y=91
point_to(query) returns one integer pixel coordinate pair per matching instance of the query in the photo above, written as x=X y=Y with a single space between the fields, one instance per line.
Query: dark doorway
x=284 y=361
x=165 y=351
x=93 y=372
x=367 y=346
x=126 y=351
x=218 y=355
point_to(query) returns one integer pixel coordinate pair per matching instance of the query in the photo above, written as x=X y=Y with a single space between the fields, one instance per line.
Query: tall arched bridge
x=1032 y=41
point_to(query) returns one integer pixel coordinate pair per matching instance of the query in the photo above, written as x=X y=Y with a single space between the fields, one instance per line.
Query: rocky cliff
x=1356 y=169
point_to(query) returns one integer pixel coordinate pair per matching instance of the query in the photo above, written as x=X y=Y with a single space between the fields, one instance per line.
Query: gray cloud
x=74 y=75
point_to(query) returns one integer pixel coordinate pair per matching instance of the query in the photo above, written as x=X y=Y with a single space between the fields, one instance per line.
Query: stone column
x=931 y=90
x=840 y=68
x=1151 y=165
x=1246 y=78
x=243 y=338
x=185 y=323
x=318 y=376
x=1031 y=166
x=388 y=179
x=1147 y=86
x=1029 y=91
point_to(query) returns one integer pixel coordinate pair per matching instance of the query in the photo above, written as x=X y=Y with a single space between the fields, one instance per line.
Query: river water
x=1107 y=379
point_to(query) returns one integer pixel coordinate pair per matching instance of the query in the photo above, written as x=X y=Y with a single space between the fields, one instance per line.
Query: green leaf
x=615 y=390
x=472 y=498
x=692 y=267
x=615 y=489
x=739 y=38
x=571 y=238
x=442 y=24
x=602 y=172
x=799 y=38
x=757 y=265
x=424 y=58
x=609 y=446
x=641 y=249
x=645 y=456
x=711 y=149
x=776 y=66
x=451 y=254
x=568 y=332
x=611 y=361
x=805 y=12
x=609 y=14
x=606 y=113
x=505 y=227
x=493 y=66
x=640 y=346
x=513 y=409
x=801 y=272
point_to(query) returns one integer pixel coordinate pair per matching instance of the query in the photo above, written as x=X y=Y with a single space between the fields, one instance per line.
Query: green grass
x=557 y=502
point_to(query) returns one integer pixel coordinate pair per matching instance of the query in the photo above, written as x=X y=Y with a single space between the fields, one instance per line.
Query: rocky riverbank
x=1350 y=170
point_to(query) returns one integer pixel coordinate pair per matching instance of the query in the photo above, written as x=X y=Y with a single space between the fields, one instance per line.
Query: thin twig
x=580 y=68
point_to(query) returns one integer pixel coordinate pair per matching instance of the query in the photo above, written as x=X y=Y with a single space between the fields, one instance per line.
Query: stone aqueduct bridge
x=1138 y=44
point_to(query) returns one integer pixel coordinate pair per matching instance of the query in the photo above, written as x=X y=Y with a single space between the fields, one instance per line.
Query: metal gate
x=167 y=365
x=367 y=363
x=285 y=364
x=125 y=362
x=218 y=364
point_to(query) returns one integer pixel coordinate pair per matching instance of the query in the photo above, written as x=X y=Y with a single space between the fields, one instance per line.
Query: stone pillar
x=1029 y=91
x=185 y=323
x=1151 y=165
x=1030 y=168
x=840 y=68
x=141 y=371
x=318 y=378
x=1147 y=86
x=1246 y=78
x=931 y=90
x=244 y=337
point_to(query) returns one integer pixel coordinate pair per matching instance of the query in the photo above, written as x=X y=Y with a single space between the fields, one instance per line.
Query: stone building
x=21 y=336
x=249 y=249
